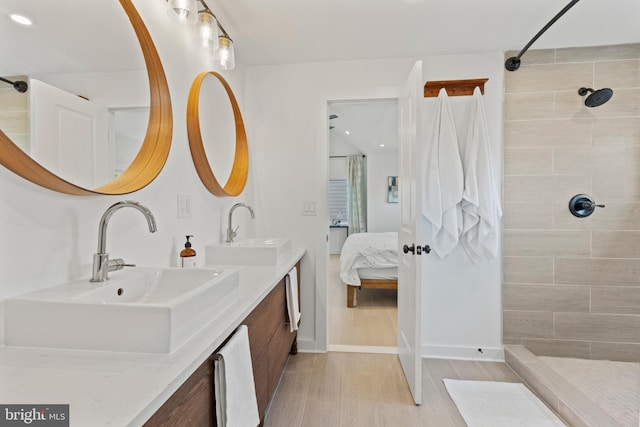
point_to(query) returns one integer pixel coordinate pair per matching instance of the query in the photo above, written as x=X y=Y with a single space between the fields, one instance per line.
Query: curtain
x=357 y=193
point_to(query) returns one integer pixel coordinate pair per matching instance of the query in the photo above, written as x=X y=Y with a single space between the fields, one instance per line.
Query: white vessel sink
x=149 y=310
x=254 y=251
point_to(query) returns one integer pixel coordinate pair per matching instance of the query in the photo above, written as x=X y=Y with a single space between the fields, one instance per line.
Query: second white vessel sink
x=149 y=310
x=254 y=251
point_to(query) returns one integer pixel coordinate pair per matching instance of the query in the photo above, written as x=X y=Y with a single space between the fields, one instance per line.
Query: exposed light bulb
x=381 y=145
x=224 y=54
x=207 y=30
x=347 y=132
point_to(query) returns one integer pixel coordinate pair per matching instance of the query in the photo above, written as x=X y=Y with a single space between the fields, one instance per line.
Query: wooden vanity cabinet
x=270 y=341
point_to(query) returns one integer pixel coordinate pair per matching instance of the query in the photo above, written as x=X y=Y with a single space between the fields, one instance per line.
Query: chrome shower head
x=597 y=97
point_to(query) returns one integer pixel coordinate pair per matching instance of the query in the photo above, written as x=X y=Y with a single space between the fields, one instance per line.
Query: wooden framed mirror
x=239 y=169
x=153 y=152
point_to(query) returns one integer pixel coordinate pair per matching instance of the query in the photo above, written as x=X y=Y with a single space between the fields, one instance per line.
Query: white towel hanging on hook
x=480 y=200
x=443 y=180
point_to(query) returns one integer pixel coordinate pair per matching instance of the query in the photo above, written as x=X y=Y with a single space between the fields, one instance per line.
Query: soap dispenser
x=188 y=255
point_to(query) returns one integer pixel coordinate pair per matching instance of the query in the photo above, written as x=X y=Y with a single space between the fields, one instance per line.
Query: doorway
x=367 y=129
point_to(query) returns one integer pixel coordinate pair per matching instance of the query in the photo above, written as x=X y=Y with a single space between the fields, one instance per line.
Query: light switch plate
x=309 y=208
x=184 y=206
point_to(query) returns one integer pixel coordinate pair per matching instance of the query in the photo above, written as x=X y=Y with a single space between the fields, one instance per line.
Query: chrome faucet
x=231 y=232
x=101 y=263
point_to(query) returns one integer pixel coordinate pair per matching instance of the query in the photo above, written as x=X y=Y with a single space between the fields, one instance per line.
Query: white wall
x=48 y=238
x=381 y=215
x=461 y=300
x=287 y=109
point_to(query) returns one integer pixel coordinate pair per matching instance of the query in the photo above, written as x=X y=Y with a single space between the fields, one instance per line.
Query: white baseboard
x=488 y=354
x=309 y=346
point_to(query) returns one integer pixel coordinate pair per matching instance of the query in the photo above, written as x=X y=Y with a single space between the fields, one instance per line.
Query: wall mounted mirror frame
x=240 y=169
x=153 y=153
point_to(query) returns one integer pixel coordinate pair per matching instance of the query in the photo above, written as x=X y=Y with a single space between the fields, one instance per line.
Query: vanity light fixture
x=211 y=33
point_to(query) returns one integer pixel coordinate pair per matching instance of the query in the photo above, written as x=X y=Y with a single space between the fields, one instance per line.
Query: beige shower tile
x=616 y=131
x=550 y=78
x=535 y=56
x=624 y=103
x=544 y=188
x=547 y=133
x=598 y=53
x=614 y=188
x=597 y=271
x=623 y=159
x=527 y=324
x=616 y=244
x=615 y=299
x=528 y=161
x=597 y=327
x=13 y=101
x=546 y=243
x=527 y=216
x=558 y=348
x=528 y=106
x=572 y=161
x=527 y=270
x=617 y=74
x=622 y=352
x=14 y=122
x=566 y=298
x=614 y=216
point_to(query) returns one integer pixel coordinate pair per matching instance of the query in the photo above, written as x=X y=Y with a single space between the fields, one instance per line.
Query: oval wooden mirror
x=240 y=168
x=154 y=150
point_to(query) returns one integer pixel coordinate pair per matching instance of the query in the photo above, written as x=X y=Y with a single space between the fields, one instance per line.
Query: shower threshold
x=573 y=402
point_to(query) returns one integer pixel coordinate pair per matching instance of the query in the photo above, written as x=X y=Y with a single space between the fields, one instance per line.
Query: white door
x=410 y=267
x=69 y=135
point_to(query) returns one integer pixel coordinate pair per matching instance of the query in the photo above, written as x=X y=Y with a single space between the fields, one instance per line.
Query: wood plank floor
x=357 y=389
x=374 y=320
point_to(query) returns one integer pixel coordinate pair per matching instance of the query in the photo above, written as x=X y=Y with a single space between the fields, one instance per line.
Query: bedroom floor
x=373 y=322
x=356 y=389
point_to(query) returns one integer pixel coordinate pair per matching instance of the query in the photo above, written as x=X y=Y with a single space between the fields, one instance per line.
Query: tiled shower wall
x=571 y=286
x=14 y=113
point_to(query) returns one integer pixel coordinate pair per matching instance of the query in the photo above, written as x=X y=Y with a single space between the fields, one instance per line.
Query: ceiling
x=289 y=31
x=292 y=31
x=372 y=126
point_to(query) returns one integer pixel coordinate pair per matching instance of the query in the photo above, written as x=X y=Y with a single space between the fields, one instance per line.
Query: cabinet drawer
x=278 y=352
x=265 y=318
x=191 y=405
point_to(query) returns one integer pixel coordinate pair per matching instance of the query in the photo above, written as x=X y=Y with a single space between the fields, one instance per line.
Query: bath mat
x=498 y=404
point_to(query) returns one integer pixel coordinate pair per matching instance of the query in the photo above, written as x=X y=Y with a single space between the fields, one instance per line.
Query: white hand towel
x=443 y=180
x=235 y=392
x=480 y=201
x=291 y=288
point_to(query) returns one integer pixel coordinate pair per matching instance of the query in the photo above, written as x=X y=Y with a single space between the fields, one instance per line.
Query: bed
x=369 y=260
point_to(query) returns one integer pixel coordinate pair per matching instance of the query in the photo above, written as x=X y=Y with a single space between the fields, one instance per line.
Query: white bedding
x=367 y=250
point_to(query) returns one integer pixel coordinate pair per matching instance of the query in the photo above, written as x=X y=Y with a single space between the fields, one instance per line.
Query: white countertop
x=125 y=389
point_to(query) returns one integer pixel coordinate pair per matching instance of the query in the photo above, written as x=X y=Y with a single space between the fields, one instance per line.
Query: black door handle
x=417 y=250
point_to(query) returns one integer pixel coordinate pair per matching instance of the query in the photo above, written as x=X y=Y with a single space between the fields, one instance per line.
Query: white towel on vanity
x=235 y=392
x=480 y=201
x=443 y=180
x=293 y=307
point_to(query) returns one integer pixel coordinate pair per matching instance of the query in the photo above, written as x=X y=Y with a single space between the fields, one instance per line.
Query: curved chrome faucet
x=101 y=263
x=231 y=233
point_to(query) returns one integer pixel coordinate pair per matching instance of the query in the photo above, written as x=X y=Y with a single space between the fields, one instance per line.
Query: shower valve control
x=582 y=205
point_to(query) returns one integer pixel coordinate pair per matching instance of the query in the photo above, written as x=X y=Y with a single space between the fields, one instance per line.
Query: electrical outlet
x=184 y=206
x=309 y=208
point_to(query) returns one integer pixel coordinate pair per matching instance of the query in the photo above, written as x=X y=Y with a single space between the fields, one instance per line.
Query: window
x=338 y=199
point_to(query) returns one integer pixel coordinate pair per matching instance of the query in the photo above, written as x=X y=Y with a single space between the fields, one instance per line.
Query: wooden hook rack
x=453 y=87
